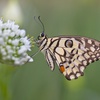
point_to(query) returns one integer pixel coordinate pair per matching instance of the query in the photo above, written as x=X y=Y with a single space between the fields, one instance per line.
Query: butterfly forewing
x=50 y=59
x=72 y=54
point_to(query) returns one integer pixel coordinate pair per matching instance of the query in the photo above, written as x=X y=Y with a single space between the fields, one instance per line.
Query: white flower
x=26 y=42
x=14 y=44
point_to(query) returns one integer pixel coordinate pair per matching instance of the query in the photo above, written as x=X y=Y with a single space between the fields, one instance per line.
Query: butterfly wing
x=50 y=59
x=73 y=54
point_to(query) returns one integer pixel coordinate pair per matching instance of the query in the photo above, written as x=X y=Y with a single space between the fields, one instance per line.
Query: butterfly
x=72 y=54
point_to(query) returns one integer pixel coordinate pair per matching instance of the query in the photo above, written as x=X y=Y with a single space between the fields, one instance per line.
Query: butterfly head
x=41 y=38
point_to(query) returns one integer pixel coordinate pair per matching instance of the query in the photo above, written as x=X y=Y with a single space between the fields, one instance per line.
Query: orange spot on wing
x=62 y=69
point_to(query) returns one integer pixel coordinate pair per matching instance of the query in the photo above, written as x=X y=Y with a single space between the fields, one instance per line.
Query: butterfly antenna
x=41 y=23
x=36 y=20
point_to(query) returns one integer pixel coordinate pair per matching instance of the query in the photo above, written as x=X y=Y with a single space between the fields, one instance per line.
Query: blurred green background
x=35 y=81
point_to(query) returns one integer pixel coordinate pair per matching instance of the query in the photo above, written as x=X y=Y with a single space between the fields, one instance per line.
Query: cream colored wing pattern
x=72 y=54
x=50 y=59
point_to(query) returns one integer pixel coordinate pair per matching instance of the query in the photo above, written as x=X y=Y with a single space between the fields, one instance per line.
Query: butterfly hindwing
x=74 y=54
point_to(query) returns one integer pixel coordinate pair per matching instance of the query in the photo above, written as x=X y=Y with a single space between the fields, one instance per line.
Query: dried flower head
x=14 y=44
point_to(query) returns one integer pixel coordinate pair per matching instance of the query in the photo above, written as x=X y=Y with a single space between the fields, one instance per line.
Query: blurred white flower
x=12 y=11
x=14 y=44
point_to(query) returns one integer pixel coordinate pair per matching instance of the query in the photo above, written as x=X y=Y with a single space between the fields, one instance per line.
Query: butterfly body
x=71 y=53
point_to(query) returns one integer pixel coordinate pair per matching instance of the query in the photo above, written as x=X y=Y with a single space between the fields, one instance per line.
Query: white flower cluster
x=14 y=44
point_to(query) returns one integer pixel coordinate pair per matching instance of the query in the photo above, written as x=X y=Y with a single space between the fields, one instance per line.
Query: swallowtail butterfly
x=71 y=53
